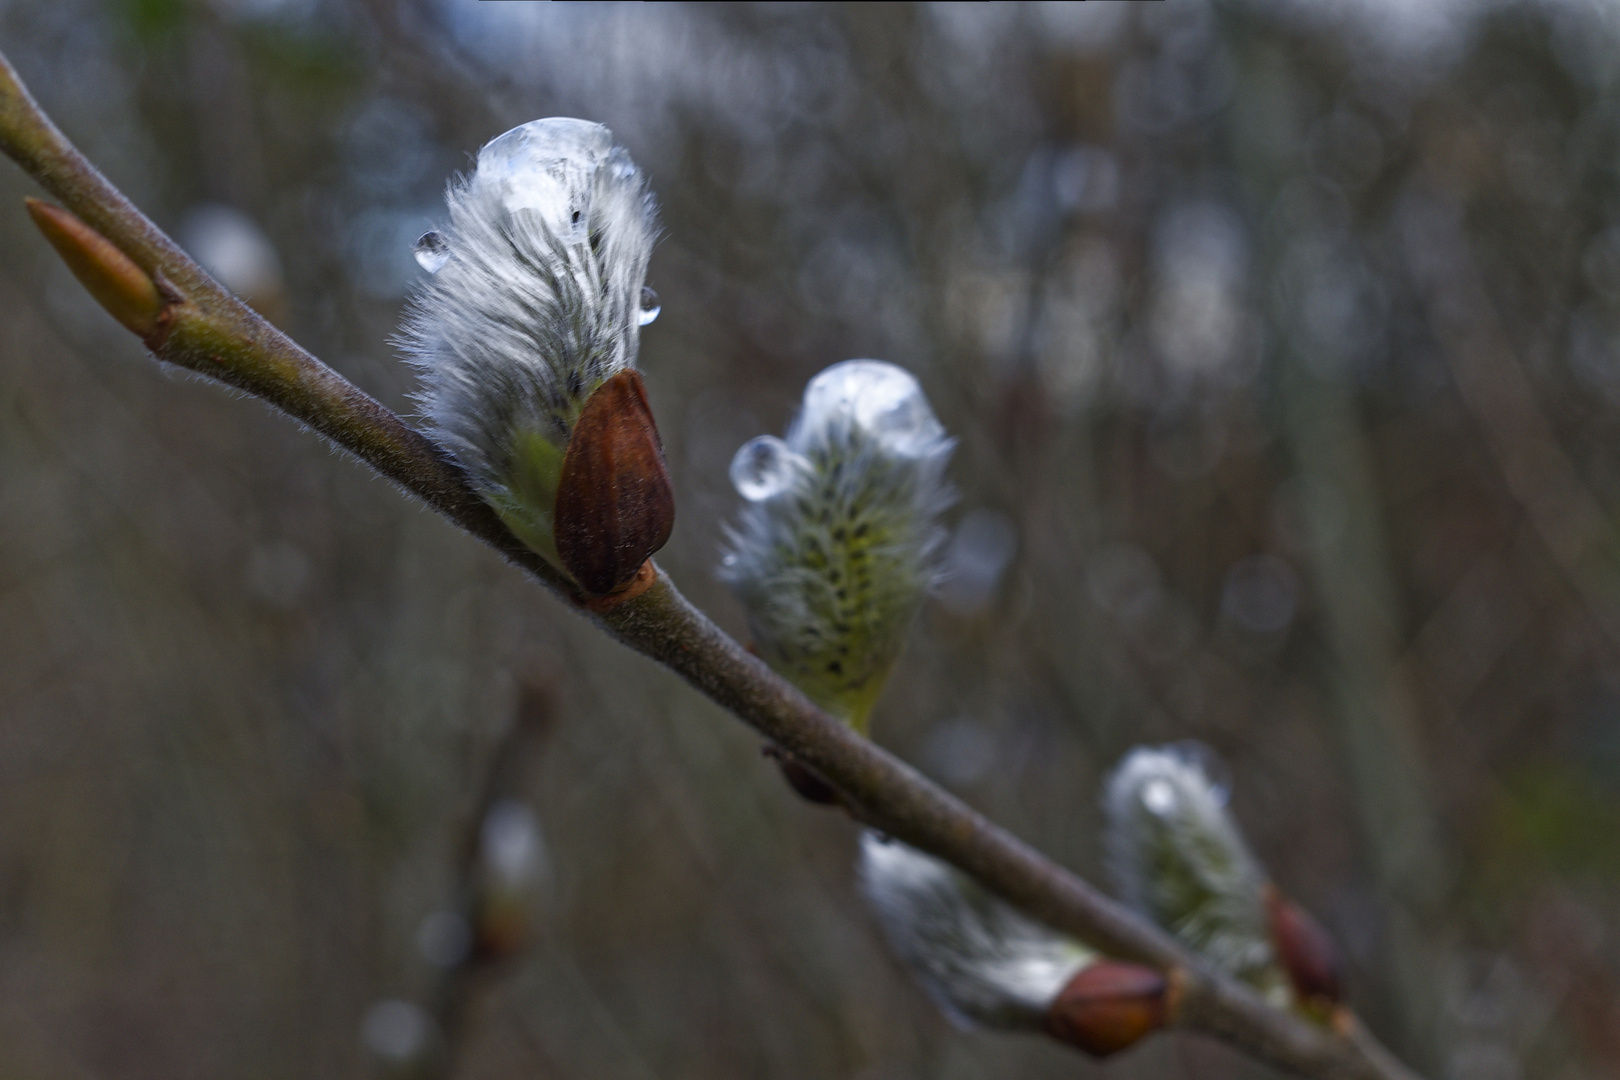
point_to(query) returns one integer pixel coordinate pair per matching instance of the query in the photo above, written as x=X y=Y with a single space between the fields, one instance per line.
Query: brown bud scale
x=805 y=781
x=1109 y=1006
x=1304 y=950
x=615 y=506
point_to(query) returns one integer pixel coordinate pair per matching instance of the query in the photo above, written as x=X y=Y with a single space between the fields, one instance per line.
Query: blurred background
x=1282 y=342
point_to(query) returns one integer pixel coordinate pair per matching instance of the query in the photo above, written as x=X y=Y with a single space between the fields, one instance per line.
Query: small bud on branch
x=110 y=276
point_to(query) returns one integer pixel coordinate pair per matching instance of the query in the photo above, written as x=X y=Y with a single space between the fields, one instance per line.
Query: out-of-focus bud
x=1306 y=952
x=513 y=866
x=1179 y=858
x=231 y=247
x=837 y=540
x=614 y=503
x=124 y=289
x=805 y=781
x=534 y=306
x=1109 y=1006
x=978 y=957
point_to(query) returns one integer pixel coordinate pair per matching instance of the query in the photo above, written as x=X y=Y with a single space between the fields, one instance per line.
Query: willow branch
x=203 y=328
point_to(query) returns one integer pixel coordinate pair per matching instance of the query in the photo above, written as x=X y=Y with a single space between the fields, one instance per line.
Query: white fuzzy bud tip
x=979 y=958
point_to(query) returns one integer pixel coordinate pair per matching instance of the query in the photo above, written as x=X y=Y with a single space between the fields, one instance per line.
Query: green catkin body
x=835 y=546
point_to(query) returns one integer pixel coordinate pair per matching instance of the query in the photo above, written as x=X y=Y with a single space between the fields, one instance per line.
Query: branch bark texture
x=206 y=329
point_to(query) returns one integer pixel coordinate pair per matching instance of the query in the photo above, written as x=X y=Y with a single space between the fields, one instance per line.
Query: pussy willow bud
x=1178 y=857
x=979 y=958
x=836 y=543
x=526 y=336
x=512 y=869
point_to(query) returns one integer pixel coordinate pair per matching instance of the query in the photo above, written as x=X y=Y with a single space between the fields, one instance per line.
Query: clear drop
x=878 y=396
x=432 y=251
x=763 y=467
x=547 y=167
x=649 y=306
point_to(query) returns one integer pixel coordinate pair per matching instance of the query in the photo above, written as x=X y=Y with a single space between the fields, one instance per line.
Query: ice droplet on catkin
x=880 y=397
x=432 y=251
x=541 y=167
x=650 y=307
x=763 y=467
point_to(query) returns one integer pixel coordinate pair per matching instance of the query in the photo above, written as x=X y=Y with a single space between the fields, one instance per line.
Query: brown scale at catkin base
x=615 y=507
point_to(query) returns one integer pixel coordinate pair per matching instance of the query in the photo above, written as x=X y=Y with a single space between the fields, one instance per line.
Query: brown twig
x=207 y=330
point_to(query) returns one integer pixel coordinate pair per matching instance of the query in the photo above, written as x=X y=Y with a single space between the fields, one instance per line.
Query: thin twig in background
x=498 y=929
x=204 y=329
x=1568 y=519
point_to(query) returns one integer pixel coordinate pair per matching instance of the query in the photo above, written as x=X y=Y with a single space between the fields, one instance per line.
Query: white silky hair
x=537 y=300
x=836 y=544
x=1178 y=857
x=979 y=958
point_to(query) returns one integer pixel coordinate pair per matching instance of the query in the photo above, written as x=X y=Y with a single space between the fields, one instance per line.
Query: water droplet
x=880 y=397
x=649 y=306
x=763 y=467
x=432 y=251
x=1159 y=796
x=546 y=167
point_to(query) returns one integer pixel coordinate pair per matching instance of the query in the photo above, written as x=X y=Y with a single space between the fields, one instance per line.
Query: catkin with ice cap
x=836 y=543
x=1178 y=857
x=535 y=301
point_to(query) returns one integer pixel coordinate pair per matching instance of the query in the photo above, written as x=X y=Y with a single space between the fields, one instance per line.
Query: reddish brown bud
x=614 y=503
x=1304 y=950
x=124 y=289
x=805 y=781
x=1108 y=1007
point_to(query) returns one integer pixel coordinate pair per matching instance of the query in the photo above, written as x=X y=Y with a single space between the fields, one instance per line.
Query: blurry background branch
x=204 y=328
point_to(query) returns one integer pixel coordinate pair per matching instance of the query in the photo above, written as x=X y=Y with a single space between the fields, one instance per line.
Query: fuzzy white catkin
x=1178 y=857
x=533 y=302
x=836 y=543
x=979 y=958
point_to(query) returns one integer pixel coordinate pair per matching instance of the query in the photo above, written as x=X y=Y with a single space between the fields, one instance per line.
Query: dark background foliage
x=1282 y=342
